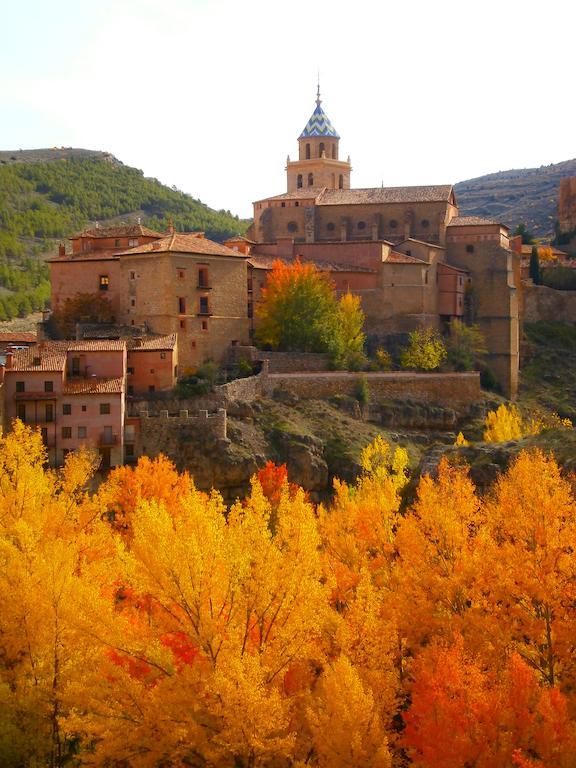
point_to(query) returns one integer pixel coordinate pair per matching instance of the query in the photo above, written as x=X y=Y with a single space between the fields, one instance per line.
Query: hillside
x=528 y=195
x=46 y=194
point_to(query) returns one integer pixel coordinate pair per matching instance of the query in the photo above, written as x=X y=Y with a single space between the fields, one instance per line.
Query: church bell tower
x=318 y=164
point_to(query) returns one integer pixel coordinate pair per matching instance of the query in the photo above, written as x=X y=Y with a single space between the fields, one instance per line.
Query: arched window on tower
x=310 y=179
x=307 y=151
x=333 y=151
x=299 y=181
x=321 y=149
x=341 y=182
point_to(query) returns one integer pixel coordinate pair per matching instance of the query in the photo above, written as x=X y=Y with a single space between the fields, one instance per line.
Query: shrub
x=362 y=392
x=425 y=350
x=465 y=346
x=383 y=359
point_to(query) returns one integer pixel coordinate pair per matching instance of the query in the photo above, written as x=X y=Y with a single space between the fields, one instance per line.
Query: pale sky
x=211 y=95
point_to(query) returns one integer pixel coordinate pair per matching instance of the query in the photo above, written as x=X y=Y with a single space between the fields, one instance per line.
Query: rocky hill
x=528 y=195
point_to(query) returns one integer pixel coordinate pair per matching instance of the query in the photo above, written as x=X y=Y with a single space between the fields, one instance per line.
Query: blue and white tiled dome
x=319 y=124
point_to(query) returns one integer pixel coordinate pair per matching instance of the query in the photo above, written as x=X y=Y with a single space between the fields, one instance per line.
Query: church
x=406 y=251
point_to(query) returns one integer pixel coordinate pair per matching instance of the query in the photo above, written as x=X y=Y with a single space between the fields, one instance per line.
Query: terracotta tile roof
x=97 y=345
x=95 y=255
x=124 y=230
x=240 y=239
x=422 y=242
x=375 y=195
x=184 y=243
x=267 y=262
x=450 y=267
x=306 y=193
x=94 y=386
x=51 y=356
x=473 y=221
x=14 y=338
x=152 y=342
x=395 y=257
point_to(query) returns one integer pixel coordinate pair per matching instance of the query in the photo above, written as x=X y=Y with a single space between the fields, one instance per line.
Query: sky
x=210 y=96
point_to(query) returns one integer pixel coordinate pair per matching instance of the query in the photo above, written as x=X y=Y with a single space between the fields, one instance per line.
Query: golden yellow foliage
x=508 y=423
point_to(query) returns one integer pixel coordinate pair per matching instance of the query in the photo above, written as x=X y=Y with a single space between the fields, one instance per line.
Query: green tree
x=525 y=234
x=425 y=350
x=465 y=346
x=350 y=335
x=534 y=271
x=299 y=310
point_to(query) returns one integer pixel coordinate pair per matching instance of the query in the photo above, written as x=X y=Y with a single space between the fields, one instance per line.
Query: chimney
x=61 y=250
x=8 y=363
x=170 y=229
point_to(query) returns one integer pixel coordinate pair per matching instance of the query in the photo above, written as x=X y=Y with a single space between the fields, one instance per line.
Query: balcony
x=107 y=440
x=203 y=287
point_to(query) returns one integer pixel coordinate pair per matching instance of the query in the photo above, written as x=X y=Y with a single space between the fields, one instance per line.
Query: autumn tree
x=425 y=351
x=350 y=336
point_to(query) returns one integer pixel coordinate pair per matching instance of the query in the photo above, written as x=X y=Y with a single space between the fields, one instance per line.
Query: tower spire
x=318 y=99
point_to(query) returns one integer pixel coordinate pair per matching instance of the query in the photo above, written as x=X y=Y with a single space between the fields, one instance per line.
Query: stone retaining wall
x=165 y=433
x=456 y=390
x=548 y=304
x=281 y=362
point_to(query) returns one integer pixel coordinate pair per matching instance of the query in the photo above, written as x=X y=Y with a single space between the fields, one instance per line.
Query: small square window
x=66 y=433
x=152 y=370
x=469 y=249
x=81 y=432
x=66 y=409
x=104 y=282
x=104 y=408
x=204 y=325
x=162 y=355
x=181 y=274
x=133 y=302
x=83 y=408
x=48 y=386
x=130 y=370
x=19 y=386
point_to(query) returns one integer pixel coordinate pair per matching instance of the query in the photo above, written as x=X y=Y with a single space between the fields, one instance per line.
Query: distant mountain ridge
x=527 y=195
x=54 y=153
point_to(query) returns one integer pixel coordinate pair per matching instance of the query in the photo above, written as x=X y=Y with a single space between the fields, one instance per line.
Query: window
x=182 y=305
x=282 y=205
x=203 y=277
x=469 y=249
x=340 y=182
x=183 y=324
x=361 y=225
x=204 y=309
x=129 y=450
x=75 y=366
x=181 y=274
x=307 y=151
x=292 y=226
x=104 y=282
x=104 y=408
x=66 y=409
x=133 y=302
x=66 y=433
x=21 y=411
x=299 y=181
x=132 y=275
x=425 y=223
x=20 y=387
x=204 y=328
x=132 y=242
x=151 y=388
x=333 y=151
x=193 y=343
x=48 y=386
x=116 y=243
x=321 y=149
x=393 y=223
x=81 y=432
x=162 y=355
x=310 y=179
x=83 y=409
x=152 y=370
x=296 y=204
x=330 y=226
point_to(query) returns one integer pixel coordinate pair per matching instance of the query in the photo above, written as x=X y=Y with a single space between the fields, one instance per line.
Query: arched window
x=307 y=151
x=299 y=181
x=310 y=179
x=292 y=226
x=333 y=151
x=341 y=182
x=321 y=149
